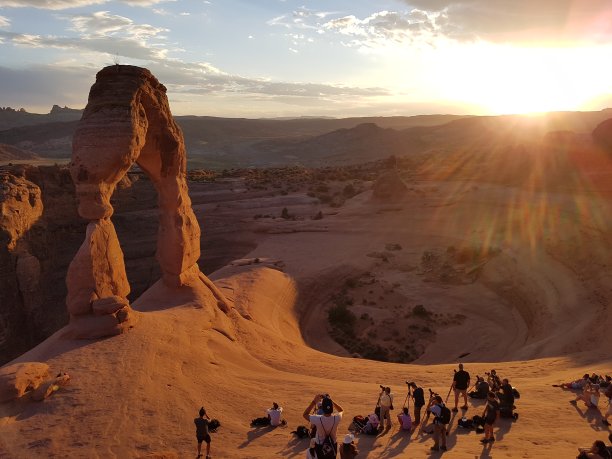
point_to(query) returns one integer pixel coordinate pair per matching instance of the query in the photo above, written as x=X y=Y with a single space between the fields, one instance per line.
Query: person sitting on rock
x=405 y=421
x=482 y=389
x=574 y=385
x=597 y=451
x=275 y=414
x=493 y=380
x=590 y=396
x=506 y=394
x=371 y=427
x=348 y=449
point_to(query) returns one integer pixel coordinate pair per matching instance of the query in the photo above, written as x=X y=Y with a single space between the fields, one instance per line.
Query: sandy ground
x=537 y=311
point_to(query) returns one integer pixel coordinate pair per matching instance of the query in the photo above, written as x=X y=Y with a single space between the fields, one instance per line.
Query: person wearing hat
x=348 y=450
x=327 y=423
x=202 y=434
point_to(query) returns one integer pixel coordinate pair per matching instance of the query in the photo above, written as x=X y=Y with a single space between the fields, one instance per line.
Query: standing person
x=326 y=424
x=461 y=382
x=404 y=419
x=439 y=434
x=490 y=415
x=386 y=404
x=202 y=434
x=275 y=414
x=419 y=401
x=348 y=450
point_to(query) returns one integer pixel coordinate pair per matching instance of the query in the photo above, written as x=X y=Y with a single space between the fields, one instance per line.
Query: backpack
x=213 y=425
x=328 y=448
x=301 y=432
x=445 y=415
x=257 y=422
x=516 y=393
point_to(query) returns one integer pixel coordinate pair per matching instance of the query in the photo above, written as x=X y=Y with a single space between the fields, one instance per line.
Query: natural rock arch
x=127 y=120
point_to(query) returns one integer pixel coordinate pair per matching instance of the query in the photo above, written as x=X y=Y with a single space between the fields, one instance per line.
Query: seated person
x=405 y=421
x=505 y=394
x=590 y=396
x=371 y=426
x=597 y=451
x=275 y=414
x=482 y=389
x=494 y=381
x=577 y=384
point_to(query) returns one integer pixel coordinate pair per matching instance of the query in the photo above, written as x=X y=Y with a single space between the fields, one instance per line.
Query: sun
x=509 y=79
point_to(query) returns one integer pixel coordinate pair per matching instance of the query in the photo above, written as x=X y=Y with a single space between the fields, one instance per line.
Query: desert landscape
x=481 y=240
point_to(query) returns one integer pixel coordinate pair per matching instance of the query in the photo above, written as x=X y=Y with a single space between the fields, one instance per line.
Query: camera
x=487 y=373
x=382 y=387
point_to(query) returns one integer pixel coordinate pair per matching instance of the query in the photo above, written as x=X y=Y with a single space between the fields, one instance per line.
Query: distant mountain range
x=9 y=153
x=239 y=142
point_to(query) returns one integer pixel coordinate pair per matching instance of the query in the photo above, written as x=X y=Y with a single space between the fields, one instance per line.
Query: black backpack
x=445 y=415
x=213 y=425
x=301 y=432
x=328 y=448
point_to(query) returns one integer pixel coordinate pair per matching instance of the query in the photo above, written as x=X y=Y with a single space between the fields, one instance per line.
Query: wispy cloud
x=524 y=20
x=384 y=27
x=4 y=22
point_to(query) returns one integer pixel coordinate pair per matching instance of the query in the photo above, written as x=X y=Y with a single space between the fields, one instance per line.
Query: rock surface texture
x=127 y=121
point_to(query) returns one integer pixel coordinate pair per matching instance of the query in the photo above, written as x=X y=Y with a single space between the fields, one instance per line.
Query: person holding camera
x=439 y=434
x=385 y=401
x=490 y=415
x=202 y=435
x=418 y=398
x=461 y=382
x=326 y=424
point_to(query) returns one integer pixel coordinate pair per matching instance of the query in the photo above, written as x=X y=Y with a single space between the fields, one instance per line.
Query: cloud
x=523 y=20
x=121 y=46
x=4 y=22
x=102 y=23
x=302 y=18
x=381 y=28
x=65 y=4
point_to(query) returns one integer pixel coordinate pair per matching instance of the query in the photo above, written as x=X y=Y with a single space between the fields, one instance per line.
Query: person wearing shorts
x=202 y=434
x=461 y=382
x=490 y=415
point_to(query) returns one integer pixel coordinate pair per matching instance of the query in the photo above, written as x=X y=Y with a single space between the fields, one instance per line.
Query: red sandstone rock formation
x=127 y=120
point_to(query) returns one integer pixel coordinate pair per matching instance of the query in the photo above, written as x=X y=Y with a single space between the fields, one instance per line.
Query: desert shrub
x=285 y=214
x=420 y=311
x=341 y=318
x=349 y=191
x=351 y=283
x=318 y=216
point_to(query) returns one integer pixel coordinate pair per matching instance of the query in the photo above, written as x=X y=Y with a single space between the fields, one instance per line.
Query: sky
x=286 y=58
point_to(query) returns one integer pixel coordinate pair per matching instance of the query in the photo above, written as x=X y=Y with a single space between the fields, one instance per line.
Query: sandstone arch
x=127 y=120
